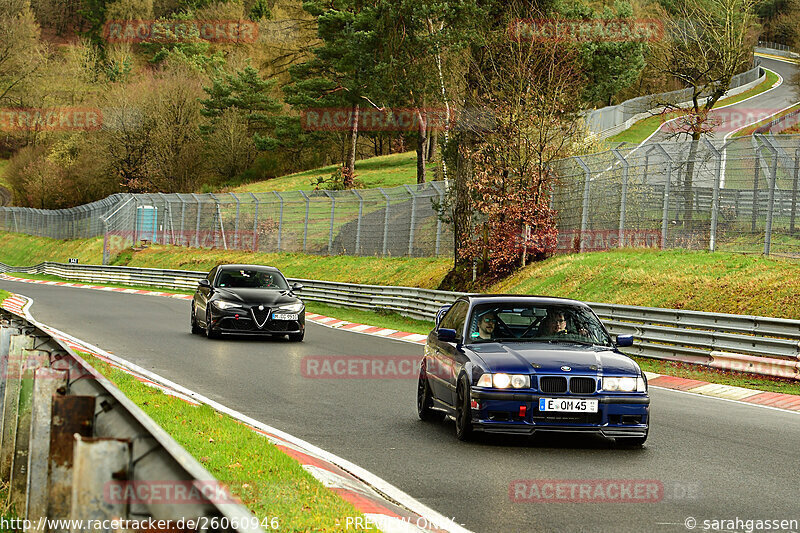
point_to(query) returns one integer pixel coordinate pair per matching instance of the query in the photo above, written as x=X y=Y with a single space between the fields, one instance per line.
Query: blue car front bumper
x=618 y=415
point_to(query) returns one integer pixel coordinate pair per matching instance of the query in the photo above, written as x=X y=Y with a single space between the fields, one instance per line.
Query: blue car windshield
x=536 y=323
x=251 y=279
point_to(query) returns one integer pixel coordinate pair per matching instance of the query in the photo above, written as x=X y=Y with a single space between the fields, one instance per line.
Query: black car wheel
x=297 y=337
x=425 y=401
x=463 y=411
x=196 y=329
x=210 y=333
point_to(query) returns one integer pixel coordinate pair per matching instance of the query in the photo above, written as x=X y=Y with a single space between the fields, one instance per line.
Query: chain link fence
x=739 y=196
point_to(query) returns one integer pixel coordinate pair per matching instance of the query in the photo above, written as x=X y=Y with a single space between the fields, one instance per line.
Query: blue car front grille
x=582 y=385
x=553 y=384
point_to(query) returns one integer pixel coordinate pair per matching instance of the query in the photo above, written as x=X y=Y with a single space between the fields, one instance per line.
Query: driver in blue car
x=486 y=325
x=554 y=324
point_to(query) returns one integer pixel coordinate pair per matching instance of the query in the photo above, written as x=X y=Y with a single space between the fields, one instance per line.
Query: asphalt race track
x=715 y=459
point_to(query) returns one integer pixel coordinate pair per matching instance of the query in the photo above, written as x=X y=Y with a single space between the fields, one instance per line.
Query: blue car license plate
x=567 y=405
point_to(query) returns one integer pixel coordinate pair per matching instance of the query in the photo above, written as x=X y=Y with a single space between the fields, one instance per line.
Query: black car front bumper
x=242 y=322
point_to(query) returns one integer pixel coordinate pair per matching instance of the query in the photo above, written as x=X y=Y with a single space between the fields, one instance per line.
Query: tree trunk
x=350 y=164
x=433 y=138
x=421 y=146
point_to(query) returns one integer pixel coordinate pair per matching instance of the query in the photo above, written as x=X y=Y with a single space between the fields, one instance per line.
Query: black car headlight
x=222 y=304
x=505 y=381
x=291 y=308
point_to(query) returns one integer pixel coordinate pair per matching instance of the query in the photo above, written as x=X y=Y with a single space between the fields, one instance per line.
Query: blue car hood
x=544 y=358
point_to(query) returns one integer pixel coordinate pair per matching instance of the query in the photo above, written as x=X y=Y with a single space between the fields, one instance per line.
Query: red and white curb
x=385 y=507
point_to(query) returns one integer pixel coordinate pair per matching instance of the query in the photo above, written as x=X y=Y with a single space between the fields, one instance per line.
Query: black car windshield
x=251 y=279
x=520 y=322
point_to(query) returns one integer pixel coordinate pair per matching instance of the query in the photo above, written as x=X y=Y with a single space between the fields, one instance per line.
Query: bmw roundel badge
x=566 y=368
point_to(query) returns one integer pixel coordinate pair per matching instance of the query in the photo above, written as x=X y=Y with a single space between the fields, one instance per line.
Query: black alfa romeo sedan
x=248 y=300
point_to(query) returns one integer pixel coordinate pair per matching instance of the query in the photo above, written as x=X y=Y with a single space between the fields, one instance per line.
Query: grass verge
x=382 y=171
x=4 y=295
x=642 y=129
x=269 y=482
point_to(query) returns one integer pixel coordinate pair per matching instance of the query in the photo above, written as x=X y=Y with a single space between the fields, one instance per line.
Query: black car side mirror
x=441 y=312
x=204 y=283
x=297 y=286
x=624 y=340
x=446 y=335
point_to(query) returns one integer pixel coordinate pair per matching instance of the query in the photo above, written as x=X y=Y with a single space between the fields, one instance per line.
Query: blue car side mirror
x=446 y=335
x=624 y=340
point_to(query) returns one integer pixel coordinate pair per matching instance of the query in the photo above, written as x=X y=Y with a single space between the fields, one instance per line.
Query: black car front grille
x=582 y=385
x=553 y=384
x=260 y=316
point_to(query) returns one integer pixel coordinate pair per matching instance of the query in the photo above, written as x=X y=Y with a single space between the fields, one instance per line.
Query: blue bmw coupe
x=525 y=364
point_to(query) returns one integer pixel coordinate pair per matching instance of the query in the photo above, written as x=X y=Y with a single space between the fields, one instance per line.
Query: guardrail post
x=34 y=360
x=5 y=342
x=97 y=463
x=385 y=221
x=305 y=221
x=71 y=415
x=333 y=213
x=411 y=226
x=795 y=184
x=624 y=197
x=358 y=224
x=46 y=384
x=17 y=346
x=280 y=219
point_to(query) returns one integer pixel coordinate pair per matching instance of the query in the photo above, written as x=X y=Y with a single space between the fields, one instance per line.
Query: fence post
x=624 y=198
x=333 y=212
x=413 y=216
x=585 y=211
x=712 y=238
x=236 y=224
x=773 y=179
x=358 y=224
x=795 y=184
x=385 y=221
x=438 y=218
x=280 y=219
x=305 y=222
x=757 y=163
x=197 y=226
x=183 y=221
x=255 y=222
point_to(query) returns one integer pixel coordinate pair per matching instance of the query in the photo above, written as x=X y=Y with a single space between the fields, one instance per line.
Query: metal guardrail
x=70 y=439
x=764 y=345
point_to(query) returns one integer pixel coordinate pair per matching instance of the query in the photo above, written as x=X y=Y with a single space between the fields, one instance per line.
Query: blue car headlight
x=624 y=384
x=505 y=381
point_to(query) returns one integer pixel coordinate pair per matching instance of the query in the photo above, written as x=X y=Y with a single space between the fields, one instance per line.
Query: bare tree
x=705 y=45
